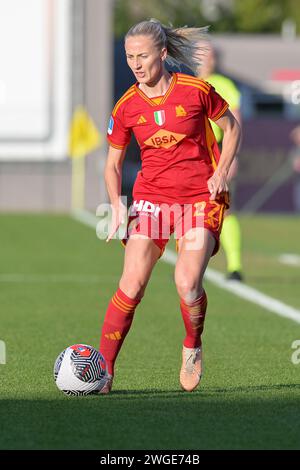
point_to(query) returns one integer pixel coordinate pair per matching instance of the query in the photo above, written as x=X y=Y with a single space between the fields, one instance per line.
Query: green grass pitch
x=56 y=279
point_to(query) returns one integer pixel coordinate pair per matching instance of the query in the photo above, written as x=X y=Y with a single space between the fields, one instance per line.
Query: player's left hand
x=217 y=184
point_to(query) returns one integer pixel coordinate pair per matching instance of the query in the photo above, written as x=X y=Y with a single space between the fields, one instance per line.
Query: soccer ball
x=80 y=370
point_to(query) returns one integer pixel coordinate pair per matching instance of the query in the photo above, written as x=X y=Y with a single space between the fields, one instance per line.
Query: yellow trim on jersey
x=215 y=118
x=124 y=98
x=221 y=214
x=145 y=97
x=196 y=82
x=172 y=84
x=165 y=97
x=157 y=100
x=209 y=142
x=130 y=89
x=116 y=146
x=193 y=85
x=194 y=79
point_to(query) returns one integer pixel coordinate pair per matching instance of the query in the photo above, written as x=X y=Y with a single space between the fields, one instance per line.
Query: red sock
x=117 y=323
x=193 y=316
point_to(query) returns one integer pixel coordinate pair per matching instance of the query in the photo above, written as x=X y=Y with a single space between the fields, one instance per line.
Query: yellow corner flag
x=84 y=135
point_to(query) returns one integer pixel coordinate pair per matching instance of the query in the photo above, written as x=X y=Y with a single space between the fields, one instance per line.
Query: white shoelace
x=189 y=363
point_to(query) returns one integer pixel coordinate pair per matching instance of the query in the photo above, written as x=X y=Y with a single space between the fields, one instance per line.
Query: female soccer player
x=181 y=186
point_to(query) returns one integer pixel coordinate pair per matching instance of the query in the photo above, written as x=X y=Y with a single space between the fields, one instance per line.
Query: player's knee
x=133 y=288
x=188 y=289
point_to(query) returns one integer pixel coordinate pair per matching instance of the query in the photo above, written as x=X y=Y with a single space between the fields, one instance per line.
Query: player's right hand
x=119 y=214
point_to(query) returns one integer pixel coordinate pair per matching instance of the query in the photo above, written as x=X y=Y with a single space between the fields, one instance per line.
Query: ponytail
x=181 y=43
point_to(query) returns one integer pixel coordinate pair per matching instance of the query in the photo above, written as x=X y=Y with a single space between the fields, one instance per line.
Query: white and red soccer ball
x=80 y=370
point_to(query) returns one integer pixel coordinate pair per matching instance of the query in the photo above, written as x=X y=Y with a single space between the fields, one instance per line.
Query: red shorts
x=159 y=221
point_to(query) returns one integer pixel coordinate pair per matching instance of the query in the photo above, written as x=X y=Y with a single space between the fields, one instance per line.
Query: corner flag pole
x=78 y=183
x=84 y=137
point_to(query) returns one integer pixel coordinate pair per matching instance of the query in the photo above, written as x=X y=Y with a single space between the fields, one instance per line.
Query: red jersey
x=179 y=152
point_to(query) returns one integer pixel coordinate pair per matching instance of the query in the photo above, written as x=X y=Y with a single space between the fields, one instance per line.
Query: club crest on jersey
x=110 y=125
x=180 y=111
x=159 y=117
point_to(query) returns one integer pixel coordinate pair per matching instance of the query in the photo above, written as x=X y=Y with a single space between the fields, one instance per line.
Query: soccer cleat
x=191 y=369
x=108 y=386
x=235 y=276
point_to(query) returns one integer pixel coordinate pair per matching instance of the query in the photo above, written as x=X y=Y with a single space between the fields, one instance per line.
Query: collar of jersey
x=164 y=98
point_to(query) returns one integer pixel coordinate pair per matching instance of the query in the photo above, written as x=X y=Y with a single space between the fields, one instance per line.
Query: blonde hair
x=181 y=43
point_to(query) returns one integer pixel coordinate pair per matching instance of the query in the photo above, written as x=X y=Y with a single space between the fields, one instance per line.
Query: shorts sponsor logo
x=158 y=222
x=145 y=206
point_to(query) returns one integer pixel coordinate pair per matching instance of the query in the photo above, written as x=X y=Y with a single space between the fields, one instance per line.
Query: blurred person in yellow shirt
x=295 y=160
x=231 y=232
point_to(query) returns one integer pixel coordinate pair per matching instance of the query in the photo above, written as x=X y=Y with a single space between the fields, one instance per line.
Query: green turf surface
x=56 y=279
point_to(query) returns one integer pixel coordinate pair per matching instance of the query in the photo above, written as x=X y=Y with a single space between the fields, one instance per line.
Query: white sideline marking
x=85 y=217
x=290 y=259
x=217 y=278
x=2 y=352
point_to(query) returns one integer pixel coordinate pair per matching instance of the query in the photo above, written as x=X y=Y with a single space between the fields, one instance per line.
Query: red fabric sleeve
x=118 y=135
x=214 y=104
